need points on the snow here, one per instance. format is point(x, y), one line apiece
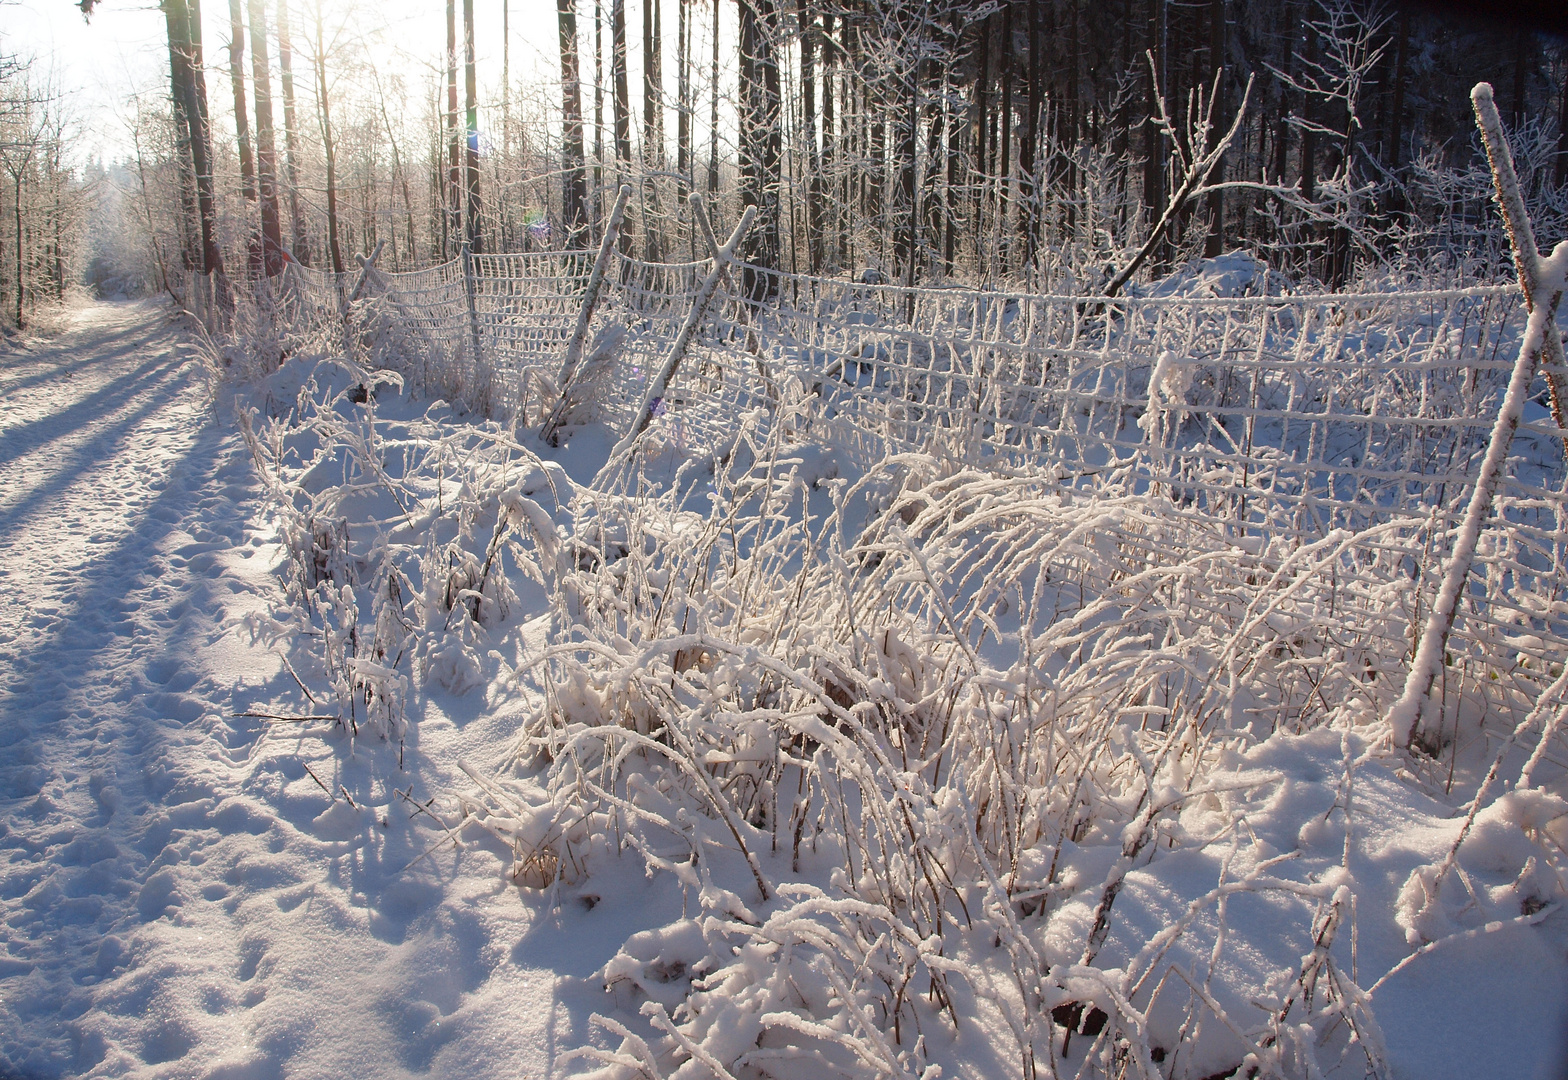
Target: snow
point(188, 890)
point(179, 897)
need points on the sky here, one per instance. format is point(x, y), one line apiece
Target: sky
point(100, 66)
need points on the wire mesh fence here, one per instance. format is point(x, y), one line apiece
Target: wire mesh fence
point(1257, 423)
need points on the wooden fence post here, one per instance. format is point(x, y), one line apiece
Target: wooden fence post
point(1546, 278)
point(1521, 237)
point(574, 346)
point(699, 308)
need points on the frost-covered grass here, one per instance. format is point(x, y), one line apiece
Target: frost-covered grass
point(953, 769)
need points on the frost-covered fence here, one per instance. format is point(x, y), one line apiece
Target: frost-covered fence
point(1259, 423)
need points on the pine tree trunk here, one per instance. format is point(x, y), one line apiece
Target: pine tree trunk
point(1005, 139)
point(291, 138)
point(598, 107)
point(186, 43)
point(241, 115)
point(620, 104)
point(266, 151)
point(325, 118)
point(179, 76)
point(683, 163)
point(1562, 133)
point(572, 195)
point(1214, 244)
point(454, 174)
point(1397, 111)
point(713, 122)
point(978, 164)
point(761, 146)
point(1028, 194)
point(806, 13)
point(652, 133)
point(1154, 139)
point(473, 231)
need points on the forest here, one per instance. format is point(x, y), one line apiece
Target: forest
point(1048, 143)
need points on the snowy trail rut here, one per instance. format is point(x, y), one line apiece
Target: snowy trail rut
point(114, 495)
point(179, 897)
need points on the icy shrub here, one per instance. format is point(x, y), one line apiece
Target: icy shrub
point(401, 536)
point(889, 710)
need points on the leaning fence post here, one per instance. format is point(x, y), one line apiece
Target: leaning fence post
point(699, 308)
point(574, 347)
point(364, 269)
point(1521, 237)
point(1547, 277)
point(699, 212)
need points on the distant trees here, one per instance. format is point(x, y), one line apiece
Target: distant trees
point(924, 140)
point(42, 199)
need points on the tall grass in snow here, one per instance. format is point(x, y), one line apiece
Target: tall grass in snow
point(402, 538)
point(889, 707)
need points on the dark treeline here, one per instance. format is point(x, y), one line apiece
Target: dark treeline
point(1064, 144)
point(999, 140)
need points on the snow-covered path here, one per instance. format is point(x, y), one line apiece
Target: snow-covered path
point(178, 895)
point(108, 483)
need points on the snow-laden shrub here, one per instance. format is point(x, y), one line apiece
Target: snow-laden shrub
point(930, 719)
point(402, 538)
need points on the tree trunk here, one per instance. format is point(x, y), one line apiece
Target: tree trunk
point(598, 105)
point(325, 119)
point(1028, 195)
point(906, 225)
point(806, 13)
point(572, 195)
point(454, 173)
point(620, 104)
point(713, 122)
point(1562, 133)
point(179, 75)
point(185, 46)
point(833, 211)
point(652, 130)
point(266, 151)
point(1005, 138)
point(1154, 139)
point(241, 116)
point(1214, 244)
point(979, 163)
point(761, 146)
point(1522, 39)
point(683, 163)
point(291, 138)
point(473, 232)
point(1309, 142)
point(506, 80)
point(1396, 117)
point(16, 204)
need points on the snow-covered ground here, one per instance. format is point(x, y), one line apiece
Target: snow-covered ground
point(188, 891)
point(179, 897)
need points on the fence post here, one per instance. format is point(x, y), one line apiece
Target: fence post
point(1521, 237)
point(1546, 277)
point(473, 310)
point(699, 307)
point(365, 266)
point(574, 347)
point(699, 212)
